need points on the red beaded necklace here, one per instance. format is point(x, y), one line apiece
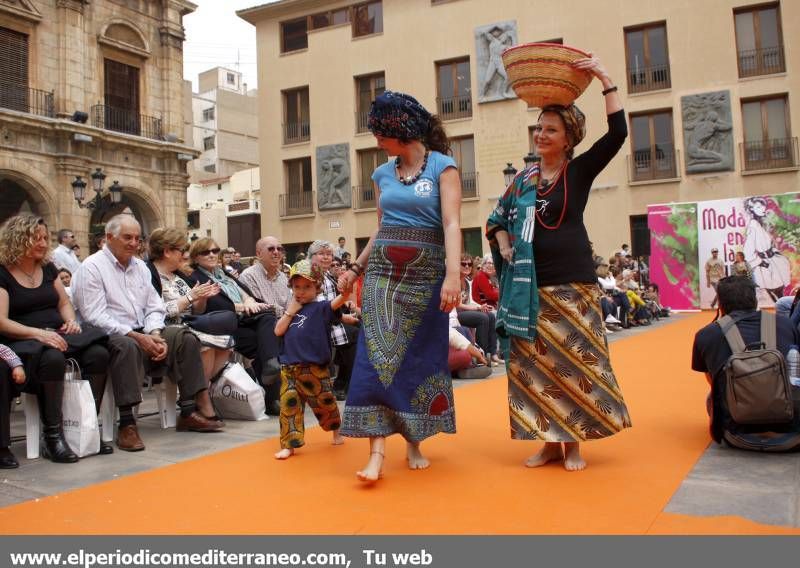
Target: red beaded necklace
point(549, 190)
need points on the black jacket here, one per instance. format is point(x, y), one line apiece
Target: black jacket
point(221, 301)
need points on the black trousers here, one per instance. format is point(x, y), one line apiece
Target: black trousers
point(483, 324)
point(345, 358)
point(257, 341)
point(49, 367)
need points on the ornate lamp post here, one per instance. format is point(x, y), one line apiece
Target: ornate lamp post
point(98, 203)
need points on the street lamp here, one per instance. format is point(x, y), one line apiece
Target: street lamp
point(98, 177)
point(508, 173)
point(530, 159)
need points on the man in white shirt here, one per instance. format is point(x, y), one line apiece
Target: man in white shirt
point(113, 291)
point(63, 255)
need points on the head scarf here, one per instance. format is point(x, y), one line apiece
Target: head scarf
point(397, 115)
point(574, 122)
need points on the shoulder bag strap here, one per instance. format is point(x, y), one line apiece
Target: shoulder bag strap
point(769, 333)
point(732, 334)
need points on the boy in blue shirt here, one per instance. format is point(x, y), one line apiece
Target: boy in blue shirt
point(306, 354)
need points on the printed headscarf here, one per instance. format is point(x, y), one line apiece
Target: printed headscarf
point(397, 115)
point(574, 122)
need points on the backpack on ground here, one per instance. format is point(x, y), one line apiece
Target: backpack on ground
point(757, 389)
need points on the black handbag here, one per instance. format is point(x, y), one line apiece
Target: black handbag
point(221, 322)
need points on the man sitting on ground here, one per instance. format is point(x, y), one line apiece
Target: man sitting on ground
point(737, 298)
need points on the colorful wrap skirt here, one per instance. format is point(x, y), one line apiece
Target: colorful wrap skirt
point(561, 387)
point(400, 382)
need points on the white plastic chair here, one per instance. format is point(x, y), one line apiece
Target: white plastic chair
point(33, 425)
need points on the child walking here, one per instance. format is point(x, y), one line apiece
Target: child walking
point(306, 354)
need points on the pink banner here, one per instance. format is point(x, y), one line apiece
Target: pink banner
point(673, 254)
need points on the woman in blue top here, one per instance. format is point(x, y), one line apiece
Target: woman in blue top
point(400, 382)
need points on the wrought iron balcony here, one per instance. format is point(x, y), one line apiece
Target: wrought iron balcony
point(454, 107)
point(654, 163)
point(651, 78)
point(127, 121)
point(296, 132)
point(769, 154)
point(765, 61)
point(469, 184)
point(296, 203)
point(24, 99)
point(364, 197)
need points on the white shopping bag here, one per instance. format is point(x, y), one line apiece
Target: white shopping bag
point(81, 430)
point(236, 395)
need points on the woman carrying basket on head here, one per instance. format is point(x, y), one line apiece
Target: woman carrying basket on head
point(561, 385)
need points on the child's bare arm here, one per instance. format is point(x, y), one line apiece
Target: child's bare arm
point(283, 323)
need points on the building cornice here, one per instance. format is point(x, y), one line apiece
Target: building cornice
point(284, 8)
point(24, 9)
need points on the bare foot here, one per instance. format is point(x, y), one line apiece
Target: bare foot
point(550, 452)
point(284, 454)
point(338, 439)
point(374, 470)
point(573, 460)
point(415, 458)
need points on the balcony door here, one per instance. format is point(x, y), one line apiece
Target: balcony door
point(767, 138)
point(653, 147)
point(121, 97)
point(13, 70)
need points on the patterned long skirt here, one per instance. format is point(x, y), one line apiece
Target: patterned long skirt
point(561, 387)
point(400, 382)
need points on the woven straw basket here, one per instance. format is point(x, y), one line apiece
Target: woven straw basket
point(542, 73)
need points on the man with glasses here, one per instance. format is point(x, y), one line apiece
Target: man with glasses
point(265, 277)
point(64, 254)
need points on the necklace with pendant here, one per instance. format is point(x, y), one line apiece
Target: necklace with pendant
point(31, 277)
point(410, 179)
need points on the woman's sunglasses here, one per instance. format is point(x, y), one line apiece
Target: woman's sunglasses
point(467, 264)
point(209, 251)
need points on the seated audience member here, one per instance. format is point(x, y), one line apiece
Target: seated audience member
point(265, 278)
point(485, 288)
point(479, 317)
point(255, 336)
point(226, 257)
point(183, 297)
point(653, 301)
point(639, 313)
point(63, 255)
point(462, 352)
point(12, 375)
point(37, 321)
point(236, 261)
point(113, 291)
point(344, 334)
point(710, 352)
point(66, 279)
point(608, 283)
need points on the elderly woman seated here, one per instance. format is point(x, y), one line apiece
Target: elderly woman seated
point(255, 333)
point(184, 297)
point(485, 287)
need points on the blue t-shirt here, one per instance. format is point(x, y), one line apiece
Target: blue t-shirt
point(415, 205)
point(308, 339)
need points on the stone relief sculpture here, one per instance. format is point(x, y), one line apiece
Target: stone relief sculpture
point(707, 132)
point(333, 177)
point(490, 41)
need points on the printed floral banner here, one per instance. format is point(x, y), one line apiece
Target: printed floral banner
point(673, 254)
point(758, 236)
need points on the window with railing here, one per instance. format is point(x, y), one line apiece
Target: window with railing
point(647, 58)
point(120, 112)
point(208, 143)
point(463, 151)
point(454, 89)
point(768, 142)
point(653, 147)
point(759, 40)
point(368, 88)
point(367, 18)
point(299, 197)
point(296, 116)
point(364, 192)
point(208, 114)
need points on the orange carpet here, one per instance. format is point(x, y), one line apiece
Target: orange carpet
point(476, 485)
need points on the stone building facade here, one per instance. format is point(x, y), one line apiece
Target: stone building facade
point(87, 85)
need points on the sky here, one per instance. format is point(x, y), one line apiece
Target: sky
point(217, 37)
